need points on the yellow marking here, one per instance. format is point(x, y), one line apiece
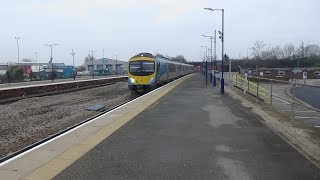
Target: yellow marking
point(142, 58)
point(59, 163)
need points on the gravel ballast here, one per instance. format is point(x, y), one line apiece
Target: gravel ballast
point(30, 120)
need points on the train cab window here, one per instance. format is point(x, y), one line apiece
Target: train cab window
point(148, 66)
point(135, 67)
point(141, 68)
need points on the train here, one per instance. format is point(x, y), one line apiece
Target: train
point(146, 72)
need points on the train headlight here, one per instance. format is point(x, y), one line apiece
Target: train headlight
point(151, 81)
point(131, 80)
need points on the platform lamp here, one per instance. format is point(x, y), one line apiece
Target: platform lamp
point(206, 55)
point(51, 45)
point(92, 62)
point(222, 40)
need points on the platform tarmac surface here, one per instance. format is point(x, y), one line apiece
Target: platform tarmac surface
point(193, 132)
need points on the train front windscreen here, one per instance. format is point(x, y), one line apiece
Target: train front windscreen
point(141, 68)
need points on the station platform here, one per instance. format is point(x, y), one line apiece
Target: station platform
point(193, 132)
point(184, 130)
point(18, 85)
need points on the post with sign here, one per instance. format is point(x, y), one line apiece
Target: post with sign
point(305, 76)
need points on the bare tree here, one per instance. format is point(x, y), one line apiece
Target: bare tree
point(160, 55)
point(88, 59)
point(312, 50)
point(288, 51)
point(179, 58)
point(299, 53)
point(257, 48)
point(272, 53)
point(266, 54)
point(277, 52)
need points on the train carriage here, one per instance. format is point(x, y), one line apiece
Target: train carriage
point(146, 71)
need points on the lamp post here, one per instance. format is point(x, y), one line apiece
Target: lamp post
point(51, 45)
point(36, 53)
point(18, 38)
point(116, 55)
point(206, 55)
point(222, 49)
point(211, 58)
point(73, 70)
point(8, 70)
point(92, 63)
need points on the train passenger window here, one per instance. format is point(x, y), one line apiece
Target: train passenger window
point(172, 68)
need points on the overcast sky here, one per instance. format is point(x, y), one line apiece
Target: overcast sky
point(170, 27)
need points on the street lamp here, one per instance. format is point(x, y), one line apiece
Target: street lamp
point(116, 55)
point(51, 45)
point(92, 63)
point(212, 38)
point(73, 70)
point(36, 53)
point(206, 63)
point(222, 40)
point(18, 38)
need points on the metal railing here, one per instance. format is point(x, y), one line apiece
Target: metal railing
point(257, 86)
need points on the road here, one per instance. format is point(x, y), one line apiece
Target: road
point(310, 95)
point(193, 133)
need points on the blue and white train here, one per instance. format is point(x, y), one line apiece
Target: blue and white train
point(146, 71)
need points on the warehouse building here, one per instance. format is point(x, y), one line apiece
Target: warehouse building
point(106, 66)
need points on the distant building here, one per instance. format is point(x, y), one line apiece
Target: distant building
point(106, 66)
point(284, 73)
point(3, 69)
point(43, 70)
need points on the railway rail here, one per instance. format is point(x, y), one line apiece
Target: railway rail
point(27, 121)
point(29, 147)
point(15, 93)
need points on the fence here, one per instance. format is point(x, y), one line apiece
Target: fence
point(271, 90)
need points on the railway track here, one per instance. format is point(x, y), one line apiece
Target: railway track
point(28, 122)
point(29, 147)
point(10, 94)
